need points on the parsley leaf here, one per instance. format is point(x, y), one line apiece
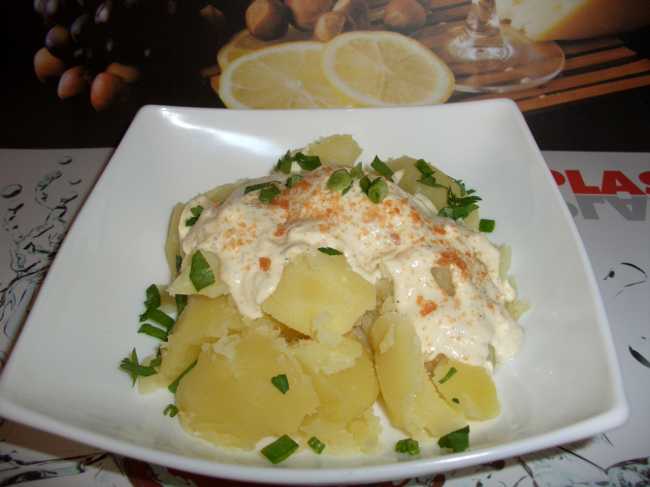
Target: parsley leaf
point(281, 383)
point(307, 163)
point(292, 180)
point(153, 297)
point(486, 226)
point(268, 194)
point(131, 366)
point(171, 410)
point(284, 163)
point(200, 273)
point(196, 213)
point(455, 441)
point(408, 446)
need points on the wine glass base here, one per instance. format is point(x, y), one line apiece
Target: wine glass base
point(497, 64)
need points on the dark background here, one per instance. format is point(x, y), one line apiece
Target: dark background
point(34, 117)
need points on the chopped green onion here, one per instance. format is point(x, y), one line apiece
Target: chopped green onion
point(196, 213)
point(280, 449)
point(171, 410)
point(292, 180)
point(181, 302)
point(408, 446)
point(174, 385)
point(131, 366)
point(179, 261)
point(153, 331)
point(486, 226)
point(159, 317)
point(450, 373)
point(153, 297)
point(377, 191)
point(340, 180)
point(455, 400)
point(281, 383)
point(455, 441)
point(284, 163)
point(307, 163)
point(316, 445)
point(329, 251)
point(424, 168)
point(382, 168)
point(200, 273)
point(268, 194)
point(259, 186)
point(364, 184)
point(357, 171)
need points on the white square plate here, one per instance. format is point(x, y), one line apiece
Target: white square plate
point(63, 377)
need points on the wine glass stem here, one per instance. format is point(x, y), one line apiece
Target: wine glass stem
point(482, 23)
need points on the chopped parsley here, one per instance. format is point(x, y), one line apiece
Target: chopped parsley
point(450, 373)
point(171, 410)
point(307, 163)
point(280, 449)
point(281, 383)
point(329, 251)
point(486, 226)
point(459, 207)
point(131, 366)
point(382, 168)
point(284, 163)
point(455, 441)
point(152, 297)
point(153, 331)
point(196, 213)
point(174, 385)
point(408, 446)
point(316, 445)
point(340, 180)
point(292, 180)
point(455, 400)
point(200, 273)
point(268, 194)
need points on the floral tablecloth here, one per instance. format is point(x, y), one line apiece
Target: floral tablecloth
point(607, 193)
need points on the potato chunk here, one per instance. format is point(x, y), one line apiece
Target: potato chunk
point(228, 397)
point(411, 399)
point(335, 150)
point(343, 376)
point(320, 295)
point(202, 320)
point(359, 434)
point(469, 389)
point(183, 284)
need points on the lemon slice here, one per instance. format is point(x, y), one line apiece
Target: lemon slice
point(288, 75)
point(244, 43)
point(386, 68)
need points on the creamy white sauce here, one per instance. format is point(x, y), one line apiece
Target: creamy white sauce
point(400, 238)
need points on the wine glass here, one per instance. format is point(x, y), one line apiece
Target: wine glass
point(487, 56)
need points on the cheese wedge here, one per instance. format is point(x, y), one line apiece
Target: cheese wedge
point(545, 20)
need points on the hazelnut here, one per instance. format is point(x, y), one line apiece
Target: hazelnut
point(72, 82)
point(130, 74)
point(356, 12)
point(404, 15)
point(267, 19)
point(305, 13)
point(58, 41)
point(47, 65)
point(329, 25)
point(105, 90)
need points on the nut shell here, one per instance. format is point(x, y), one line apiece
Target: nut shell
point(356, 12)
point(329, 25)
point(267, 19)
point(305, 13)
point(404, 15)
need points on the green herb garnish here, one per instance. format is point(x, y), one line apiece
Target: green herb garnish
point(382, 168)
point(259, 186)
point(196, 213)
point(486, 226)
point(179, 262)
point(159, 317)
point(364, 184)
point(181, 302)
point(292, 180)
point(459, 207)
point(174, 385)
point(424, 168)
point(450, 373)
point(329, 251)
point(284, 163)
point(408, 446)
point(455, 400)
point(171, 410)
point(280, 449)
point(357, 171)
point(281, 383)
point(316, 445)
point(268, 194)
point(377, 190)
point(340, 180)
point(153, 331)
point(307, 163)
point(200, 273)
point(429, 180)
point(153, 297)
point(455, 441)
point(131, 366)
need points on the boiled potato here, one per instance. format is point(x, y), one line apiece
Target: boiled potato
point(319, 295)
point(469, 389)
point(172, 243)
point(335, 150)
point(359, 434)
point(219, 194)
point(183, 284)
point(202, 320)
point(411, 399)
point(228, 397)
point(343, 377)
